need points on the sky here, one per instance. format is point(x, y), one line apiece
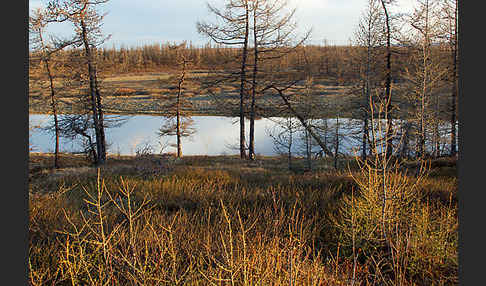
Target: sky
point(136, 23)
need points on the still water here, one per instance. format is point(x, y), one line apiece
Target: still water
point(215, 135)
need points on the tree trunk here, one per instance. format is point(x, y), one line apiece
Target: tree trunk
point(336, 146)
point(406, 137)
point(422, 127)
point(436, 128)
point(425, 54)
point(178, 110)
point(251, 149)
point(54, 113)
point(304, 124)
point(99, 106)
point(95, 105)
point(242, 86)
point(308, 150)
point(389, 127)
point(179, 145)
point(364, 139)
point(454, 87)
point(365, 136)
point(367, 95)
point(53, 105)
point(289, 120)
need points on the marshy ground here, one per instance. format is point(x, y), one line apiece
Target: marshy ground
point(147, 93)
point(219, 220)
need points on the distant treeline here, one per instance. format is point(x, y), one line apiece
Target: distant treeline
point(342, 63)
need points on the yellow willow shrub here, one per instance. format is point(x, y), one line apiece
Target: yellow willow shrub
point(242, 255)
point(388, 224)
point(434, 243)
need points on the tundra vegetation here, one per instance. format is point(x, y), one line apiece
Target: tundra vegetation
point(313, 215)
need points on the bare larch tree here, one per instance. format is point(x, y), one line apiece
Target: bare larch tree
point(424, 74)
point(449, 20)
point(370, 36)
point(38, 22)
point(388, 80)
point(87, 23)
point(274, 35)
point(182, 126)
point(232, 28)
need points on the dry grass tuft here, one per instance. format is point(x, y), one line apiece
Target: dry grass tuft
point(192, 224)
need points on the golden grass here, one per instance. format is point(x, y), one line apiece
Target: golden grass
point(159, 221)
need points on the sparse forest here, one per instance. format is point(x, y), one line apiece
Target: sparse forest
point(361, 188)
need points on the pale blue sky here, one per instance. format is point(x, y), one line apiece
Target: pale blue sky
point(134, 23)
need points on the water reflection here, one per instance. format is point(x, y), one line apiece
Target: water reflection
point(215, 135)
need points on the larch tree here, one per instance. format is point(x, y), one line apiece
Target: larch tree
point(425, 72)
point(46, 50)
point(37, 25)
point(370, 36)
point(232, 28)
point(78, 123)
point(273, 31)
point(309, 110)
point(388, 79)
point(281, 92)
point(449, 31)
point(87, 22)
point(183, 124)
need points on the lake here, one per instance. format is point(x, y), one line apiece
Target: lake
point(215, 135)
